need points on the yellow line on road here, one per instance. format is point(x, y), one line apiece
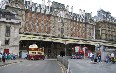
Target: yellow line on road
point(63, 71)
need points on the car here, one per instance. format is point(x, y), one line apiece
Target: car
point(77, 56)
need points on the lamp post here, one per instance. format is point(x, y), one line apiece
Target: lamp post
point(0, 47)
point(84, 51)
point(65, 47)
point(65, 43)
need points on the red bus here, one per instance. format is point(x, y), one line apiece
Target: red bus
point(35, 53)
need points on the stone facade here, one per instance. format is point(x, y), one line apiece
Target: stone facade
point(105, 26)
point(106, 31)
point(9, 32)
point(57, 21)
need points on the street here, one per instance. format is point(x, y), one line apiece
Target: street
point(31, 66)
point(84, 66)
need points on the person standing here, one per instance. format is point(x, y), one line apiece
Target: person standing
point(112, 58)
point(8, 56)
point(95, 57)
point(107, 58)
point(99, 58)
point(91, 57)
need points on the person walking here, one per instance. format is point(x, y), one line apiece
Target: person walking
point(0, 57)
point(3, 57)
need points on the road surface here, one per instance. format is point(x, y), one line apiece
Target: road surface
point(30, 66)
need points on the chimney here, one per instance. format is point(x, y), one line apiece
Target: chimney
point(72, 9)
point(30, 2)
point(67, 7)
point(91, 14)
point(80, 11)
point(84, 12)
point(24, 1)
point(49, 3)
point(43, 2)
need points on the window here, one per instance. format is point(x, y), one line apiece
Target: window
point(33, 52)
point(6, 42)
point(59, 19)
point(7, 31)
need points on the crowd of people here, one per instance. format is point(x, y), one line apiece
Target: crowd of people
point(110, 58)
point(96, 58)
point(4, 57)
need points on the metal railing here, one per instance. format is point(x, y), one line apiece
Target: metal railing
point(63, 60)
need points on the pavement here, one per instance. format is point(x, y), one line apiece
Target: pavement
point(85, 66)
point(7, 62)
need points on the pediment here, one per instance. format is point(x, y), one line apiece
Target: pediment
point(17, 4)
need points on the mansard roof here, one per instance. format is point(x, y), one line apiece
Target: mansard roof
point(57, 5)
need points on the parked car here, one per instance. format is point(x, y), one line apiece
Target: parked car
point(77, 56)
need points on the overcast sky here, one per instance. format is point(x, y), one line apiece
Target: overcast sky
point(87, 5)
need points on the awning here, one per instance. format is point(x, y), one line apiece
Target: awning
point(66, 40)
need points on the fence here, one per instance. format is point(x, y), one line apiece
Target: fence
point(64, 60)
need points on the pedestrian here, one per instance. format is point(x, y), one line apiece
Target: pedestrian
point(99, 58)
point(3, 57)
point(107, 58)
point(91, 57)
point(14, 57)
point(8, 56)
point(0, 57)
point(95, 57)
point(112, 58)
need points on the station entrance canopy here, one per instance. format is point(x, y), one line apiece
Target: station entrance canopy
point(66, 40)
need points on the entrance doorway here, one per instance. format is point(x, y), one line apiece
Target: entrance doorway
point(62, 53)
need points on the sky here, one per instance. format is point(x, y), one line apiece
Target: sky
point(87, 5)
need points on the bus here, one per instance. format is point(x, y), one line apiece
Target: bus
point(35, 53)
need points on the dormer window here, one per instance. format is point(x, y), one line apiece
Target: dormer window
point(17, 5)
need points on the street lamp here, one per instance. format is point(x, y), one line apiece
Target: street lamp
point(65, 43)
point(84, 51)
